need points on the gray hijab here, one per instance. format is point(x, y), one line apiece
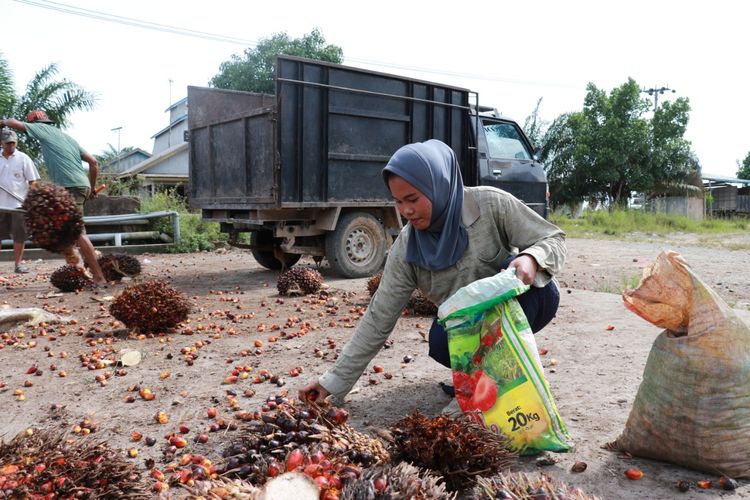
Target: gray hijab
point(433, 169)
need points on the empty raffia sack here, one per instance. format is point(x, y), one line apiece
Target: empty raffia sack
point(497, 373)
point(693, 405)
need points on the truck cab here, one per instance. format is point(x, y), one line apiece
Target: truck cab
point(506, 159)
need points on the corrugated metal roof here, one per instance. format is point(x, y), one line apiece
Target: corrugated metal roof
point(154, 160)
point(180, 119)
point(724, 178)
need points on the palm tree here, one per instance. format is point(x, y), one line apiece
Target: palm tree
point(7, 95)
point(58, 98)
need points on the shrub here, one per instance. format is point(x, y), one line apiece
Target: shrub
point(196, 235)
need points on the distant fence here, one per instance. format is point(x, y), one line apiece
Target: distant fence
point(686, 206)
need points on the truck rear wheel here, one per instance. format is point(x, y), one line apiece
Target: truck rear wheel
point(357, 247)
point(266, 258)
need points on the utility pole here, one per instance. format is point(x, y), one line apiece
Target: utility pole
point(653, 91)
point(117, 129)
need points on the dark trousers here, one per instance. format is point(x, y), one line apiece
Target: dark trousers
point(539, 305)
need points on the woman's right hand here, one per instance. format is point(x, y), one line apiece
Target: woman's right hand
point(313, 391)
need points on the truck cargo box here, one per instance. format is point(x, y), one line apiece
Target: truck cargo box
point(321, 141)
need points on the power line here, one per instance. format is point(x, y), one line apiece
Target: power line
point(165, 28)
point(129, 21)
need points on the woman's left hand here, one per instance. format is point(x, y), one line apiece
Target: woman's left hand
point(526, 268)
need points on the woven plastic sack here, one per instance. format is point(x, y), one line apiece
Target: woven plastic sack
point(693, 405)
point(497, 373)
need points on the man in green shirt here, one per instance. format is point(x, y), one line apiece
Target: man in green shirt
point(62, 157)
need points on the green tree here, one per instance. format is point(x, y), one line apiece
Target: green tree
point(116, 186)
point(110, 155)
point(7, 93)
point(59, 98)
point(610, 148)
point(254, 71)
point(743, 170)
point(675, 166)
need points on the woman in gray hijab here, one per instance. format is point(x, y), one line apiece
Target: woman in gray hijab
point(455, 235)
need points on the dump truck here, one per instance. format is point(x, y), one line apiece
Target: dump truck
point(298, 173)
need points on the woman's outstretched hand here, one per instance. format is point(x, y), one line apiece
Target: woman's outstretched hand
point(314, 392)
point(526, 268)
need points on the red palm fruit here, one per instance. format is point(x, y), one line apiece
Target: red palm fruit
point(294, 459)
point(634, 473)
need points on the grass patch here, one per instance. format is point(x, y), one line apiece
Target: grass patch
point(195, 234)
point(631, 282)
point(623, 223)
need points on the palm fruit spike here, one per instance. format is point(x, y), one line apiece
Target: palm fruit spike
point(524, 485)
point(51, 465)
point(52, 217)
point(395, 481)
point(459, 449)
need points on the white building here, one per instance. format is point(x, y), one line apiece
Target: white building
point(168, 164)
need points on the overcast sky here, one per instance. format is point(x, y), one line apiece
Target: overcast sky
point(511, 53)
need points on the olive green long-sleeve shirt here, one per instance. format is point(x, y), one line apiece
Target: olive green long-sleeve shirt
point(498, 225)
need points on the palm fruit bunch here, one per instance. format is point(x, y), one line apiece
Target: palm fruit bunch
point(459, 449)
point(152, 306)
point(52, 217)
point(299, 281)
point(70, 278)
point(373, 283)
point(48, 464)
point(396, 481)
point(289, 436)
point(525, 487)
point(418, 305)
point(118, 265)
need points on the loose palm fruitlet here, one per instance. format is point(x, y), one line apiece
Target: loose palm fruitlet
point(418, 304)
point(48, 464)
point(151, 306)
point(52, 218)
point(118, 265)
point(70, 278)
point(299, 281)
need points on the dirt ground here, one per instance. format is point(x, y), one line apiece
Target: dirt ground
point(593, 371)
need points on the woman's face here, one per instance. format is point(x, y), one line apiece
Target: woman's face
point(411, 203)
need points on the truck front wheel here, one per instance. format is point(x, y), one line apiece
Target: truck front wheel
point(357, 247)
point(266, 256)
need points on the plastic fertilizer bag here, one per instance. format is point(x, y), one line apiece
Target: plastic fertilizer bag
point(497, 372)
point(693, 405)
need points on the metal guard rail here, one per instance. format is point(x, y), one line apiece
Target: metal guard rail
point(118, 237)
